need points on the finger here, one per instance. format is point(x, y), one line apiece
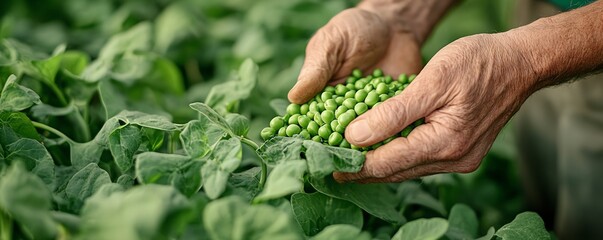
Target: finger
point(424, 144)
point(321, 60)
point(418, 100)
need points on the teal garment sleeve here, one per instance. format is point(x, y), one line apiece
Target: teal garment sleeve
point(570, 4)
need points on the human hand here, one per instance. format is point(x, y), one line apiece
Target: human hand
point(355, 38)
point(467, 92)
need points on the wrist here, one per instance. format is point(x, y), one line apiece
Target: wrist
point(416, 17)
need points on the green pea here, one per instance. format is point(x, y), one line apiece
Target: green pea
point(340, 89)
point(412, 78)
point(303, 121)
point(418, 122)
point(350, 86)
point(402, 78)
point(282, 132)
point(406, 131)
point(339, 100)
point(318, 119)
point(368, 87)
point(286, 117)
point(360, 84)
point(388, 79)
point(310, 114)
point(277, 123)
point(350, 94)
point(313, 128)
point(321, 107)
point(388, 140)
point(377, 104)
point(344, 144)
point(404, 86)
point(305, 134)
point(340, 128)
point(304, 108)
point(360, 108)
point(397, 92)
point(376, 145)
point(267, 132)
point(327, 116)
point(357, 73)
point(376, 81)
point(350, 80)
point(326, 96)
point(292, 130)
point(318, 99)
point(355, 147)
point(377, 73)
point(340, 110)
point(334, 125)
point(317, 139)
point(382, 88)
point(383, 97)
point(335, 139)
point(349, 103)
point(314, 107)
point(360, 95)
point(330, 105)
point(346, 118)
point(324, 132)
point(330, 89)
point(371, 98)
point(293, 108)
point(294, 118)
point(368, 78)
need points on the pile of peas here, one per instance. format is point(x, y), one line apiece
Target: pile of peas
point(324, 118)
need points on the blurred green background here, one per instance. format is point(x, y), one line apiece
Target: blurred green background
point(206, 39)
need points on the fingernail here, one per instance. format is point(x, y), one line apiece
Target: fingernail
point(359, 131)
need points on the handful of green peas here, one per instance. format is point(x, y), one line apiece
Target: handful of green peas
point(324, 118)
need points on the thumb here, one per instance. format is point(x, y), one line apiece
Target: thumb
point(390, 117)
point(319, 66)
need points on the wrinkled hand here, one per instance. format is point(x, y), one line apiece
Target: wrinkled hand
point(355, 38)
point(467, 92)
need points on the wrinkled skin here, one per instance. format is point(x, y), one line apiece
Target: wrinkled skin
point(467, 93)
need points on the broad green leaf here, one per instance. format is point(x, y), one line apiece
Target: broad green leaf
point(207, 112)
point(279, 106)
point(238, 123)
point(126, 180)
point(35, 158)
point(225, 158)
point(44, 110)
point(253, 43)
point(147, 120)
point(527, 225)
point(142, 212)
point(200, 136)
point(153, 138)
point(224, 94)
point(123, 143)
point(47, 69)
point(341, 232)
point(488, 235)
point(413, 193)
point(131, 66)
point(85, 183)
point(68, 221)
point(234, 219)
point(20, 124)
point(463, 223)
point(279, 149)
point(315, 211)
point(182, 172)
point(324, 160)
point(15, 98)
point(74, 62)
point(176, 22)
point(165, 77)
point(286, 178)
point(83, 154)
point(28, 201)
point(113, 101)
point(422, 229)
point(244, 184)
point(363, 195)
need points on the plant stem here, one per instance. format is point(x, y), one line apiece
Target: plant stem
point(58, 92)
point(6, 226)
point(81, 124)
point(264, 174)
point(52, 130)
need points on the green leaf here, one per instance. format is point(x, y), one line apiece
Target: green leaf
point(113, 101)
point(463, 223)
point(324, 160)
point(85, 183)
point(123, 143)
point(413, 193)
point(165, 77)
point(176, 22)
point(225, 158)
point(279, 149)
point(41, 111)
point(224, 94)
point(527, 225)
point(422, 229)
point(83, 154)
point(200, 136)
point(142, 212)
point(148, 120)
point(279, 106)
point(238, 123)
point(47, 69)
point(169, 169)
point(35, 158)
point(341, 232)
point(211, 115)
point(28, 201)
point(74, 62)
point(232, 218)
point(363, 195)
point(286, 178)
point(315, 211)
point(153, 138)
point(488, 235)
point(20, 124)
point(244, 184)
point(15, 97)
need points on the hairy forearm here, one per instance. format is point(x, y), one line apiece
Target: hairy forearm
point(563, 46)
point(418, 17)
